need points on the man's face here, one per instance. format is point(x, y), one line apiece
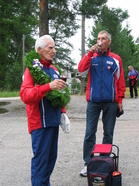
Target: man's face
point(48, 52)
point(105, 42)
point(130, 69)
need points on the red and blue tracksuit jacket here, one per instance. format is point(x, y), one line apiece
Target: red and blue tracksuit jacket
point(133, 75)
point(40, 112)
point(105, 76)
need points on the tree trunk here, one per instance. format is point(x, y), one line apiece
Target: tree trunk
point(83, 51)
point(44, 18)
point(83, 36)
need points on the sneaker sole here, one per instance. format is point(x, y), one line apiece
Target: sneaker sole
point(83, 175)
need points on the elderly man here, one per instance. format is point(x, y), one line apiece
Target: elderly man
point(43, 118)
point(105, 91)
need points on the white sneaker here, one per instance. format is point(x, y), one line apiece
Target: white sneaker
point(84, 171)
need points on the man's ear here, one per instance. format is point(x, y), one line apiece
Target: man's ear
point(39, 50)
point(109, 42)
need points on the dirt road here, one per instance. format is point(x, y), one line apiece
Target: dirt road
point(16, 153)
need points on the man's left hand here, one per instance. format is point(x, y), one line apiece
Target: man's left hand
point(120, 106)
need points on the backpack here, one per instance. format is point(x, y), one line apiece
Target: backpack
point(99, 171)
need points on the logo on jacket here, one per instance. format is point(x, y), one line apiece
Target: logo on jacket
point(55, 76)
point(109, 62)
point(109, 67)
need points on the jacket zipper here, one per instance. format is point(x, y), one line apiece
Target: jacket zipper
point(101, 77)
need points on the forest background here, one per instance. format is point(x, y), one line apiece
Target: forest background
point(21, 22)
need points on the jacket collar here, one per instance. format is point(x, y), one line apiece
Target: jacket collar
point(104, 53)
point(45, 63)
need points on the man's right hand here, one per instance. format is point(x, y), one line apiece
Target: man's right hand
point(57, 84)
point(94, 48)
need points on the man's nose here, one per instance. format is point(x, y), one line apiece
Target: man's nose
point(54, 51)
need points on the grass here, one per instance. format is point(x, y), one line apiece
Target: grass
point(127, 93)
point(6, 94)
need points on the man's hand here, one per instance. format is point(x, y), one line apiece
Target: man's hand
point(120, 106)
point(94, 48)
point(57, 84)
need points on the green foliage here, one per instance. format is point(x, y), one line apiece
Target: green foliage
point(57, 97)
point(63, 59)
point(91, 8)
point(22, 17)
point(39, 76)
point(16, 18)
point(13, 78)
point(61, 30)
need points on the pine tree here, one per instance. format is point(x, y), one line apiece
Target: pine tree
point(17, 17)
point(58, 18)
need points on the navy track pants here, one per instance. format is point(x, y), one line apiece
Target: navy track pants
point(44, 146)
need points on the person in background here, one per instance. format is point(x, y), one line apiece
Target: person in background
point(132, 78)
point(105, 91)
point(43, 118)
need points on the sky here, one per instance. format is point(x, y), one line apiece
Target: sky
point(133, 11)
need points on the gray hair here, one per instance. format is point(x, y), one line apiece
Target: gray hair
point(129, 67)
point(42, 41)
point(108, 35)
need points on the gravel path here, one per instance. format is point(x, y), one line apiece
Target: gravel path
point(16, 152)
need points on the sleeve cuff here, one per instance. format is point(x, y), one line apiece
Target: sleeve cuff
point(119, 100)
point(90, 54)
point(63, 110)
point(45, 88)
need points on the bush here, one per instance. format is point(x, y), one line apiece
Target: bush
point(13, 77)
